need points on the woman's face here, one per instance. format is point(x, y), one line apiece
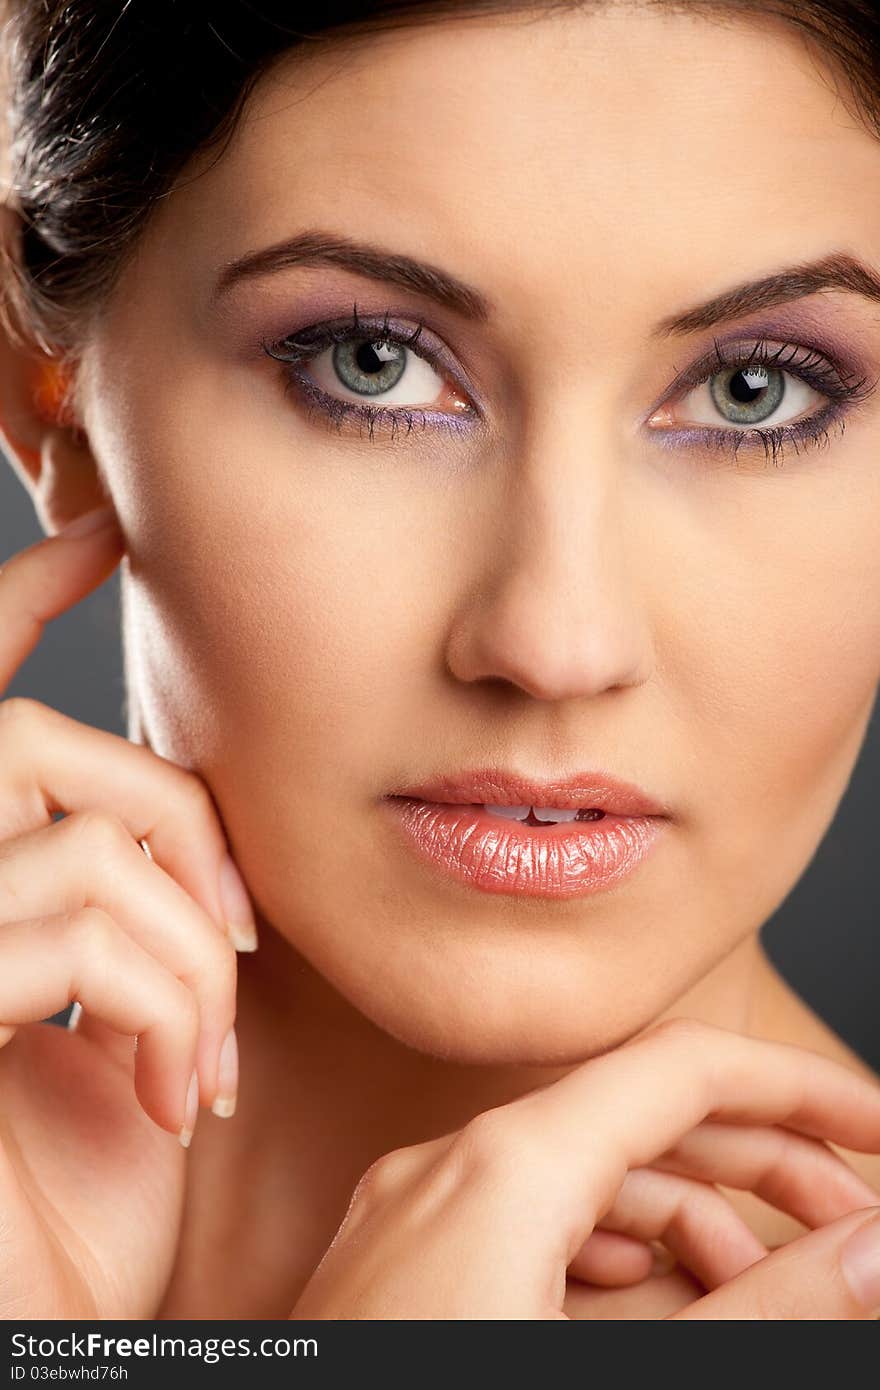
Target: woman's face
point(535, 576)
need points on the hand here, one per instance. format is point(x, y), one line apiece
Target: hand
point(91, 1173)
point(488, 1221)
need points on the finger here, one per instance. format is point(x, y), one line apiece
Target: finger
point(45, 962)
point(39, 583)
point(620, 1110)
point(612, 1260)
point(53, 763)
point(830, 1274)
point(90, 859)
point(692, 1219)
point(797, 1174)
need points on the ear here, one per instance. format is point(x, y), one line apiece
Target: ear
point(39, 429)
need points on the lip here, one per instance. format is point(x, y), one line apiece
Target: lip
point(498, 787)
point(441, 821)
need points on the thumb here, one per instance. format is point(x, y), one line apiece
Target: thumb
point(830, 1273)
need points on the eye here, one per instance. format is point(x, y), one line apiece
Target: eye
point(352, 370)
point(763, 396)
point(747, 396)
point(380, 370)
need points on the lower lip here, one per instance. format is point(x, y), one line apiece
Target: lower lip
point(495, 855)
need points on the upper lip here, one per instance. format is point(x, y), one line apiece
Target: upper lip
point(498, 787)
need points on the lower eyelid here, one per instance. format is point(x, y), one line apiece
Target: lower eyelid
point(811, 430)
point(388, 419)
point(677, 434)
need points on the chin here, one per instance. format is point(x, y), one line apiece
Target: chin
point(501, 1004)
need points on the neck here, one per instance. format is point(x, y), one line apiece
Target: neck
point(323, 1092)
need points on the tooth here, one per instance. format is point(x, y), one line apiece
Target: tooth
point(511, 812)
point(553, 813)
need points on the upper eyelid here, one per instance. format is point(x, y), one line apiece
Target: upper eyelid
point(694, 374)
point(739, 349)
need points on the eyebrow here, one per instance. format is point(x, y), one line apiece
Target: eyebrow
point(837, 271)
point(325, 248)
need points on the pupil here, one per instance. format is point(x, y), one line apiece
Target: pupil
point(368, 359)
point(741, 390)
point(370, 367)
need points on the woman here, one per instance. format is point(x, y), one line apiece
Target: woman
point(486, 404)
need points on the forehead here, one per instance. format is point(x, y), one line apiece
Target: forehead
point(656, 137)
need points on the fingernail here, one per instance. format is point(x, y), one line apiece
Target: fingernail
point(237, 910)
point(91, 521)
point(192, 1110)
point(227, 1077)
point(860, 1258)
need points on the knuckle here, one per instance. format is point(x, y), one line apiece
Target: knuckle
point(497, 1144)
point(18, 714)
point(105, 834)
point(196, 793)
point(383, 1178)
point(91, 932)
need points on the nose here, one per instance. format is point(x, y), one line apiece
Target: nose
point(553, 609)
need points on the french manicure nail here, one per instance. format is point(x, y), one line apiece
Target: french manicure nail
point(192, 1110)
point(237, 910)
point(860, 1258)
point(227, 1077)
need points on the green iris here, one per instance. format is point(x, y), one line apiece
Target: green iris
point(369, 366)
point(747, 395)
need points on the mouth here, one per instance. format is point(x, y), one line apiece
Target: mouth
point(584, 837)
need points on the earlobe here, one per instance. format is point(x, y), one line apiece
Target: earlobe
point(69, 484)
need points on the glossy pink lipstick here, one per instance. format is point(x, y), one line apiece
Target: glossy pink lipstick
point(610, 827)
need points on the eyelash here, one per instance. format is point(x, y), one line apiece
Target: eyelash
point(834, 380)
point(831, 378)
point(311, 341)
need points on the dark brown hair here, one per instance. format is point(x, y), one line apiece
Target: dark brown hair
point(106, 103)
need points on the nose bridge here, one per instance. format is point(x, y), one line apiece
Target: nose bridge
point(555, 608)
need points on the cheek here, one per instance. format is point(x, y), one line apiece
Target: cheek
point(788, 659)
point(287, 658)
point(299, 636)
point(278, 645)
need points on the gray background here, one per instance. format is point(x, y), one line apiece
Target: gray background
point(823, 938)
